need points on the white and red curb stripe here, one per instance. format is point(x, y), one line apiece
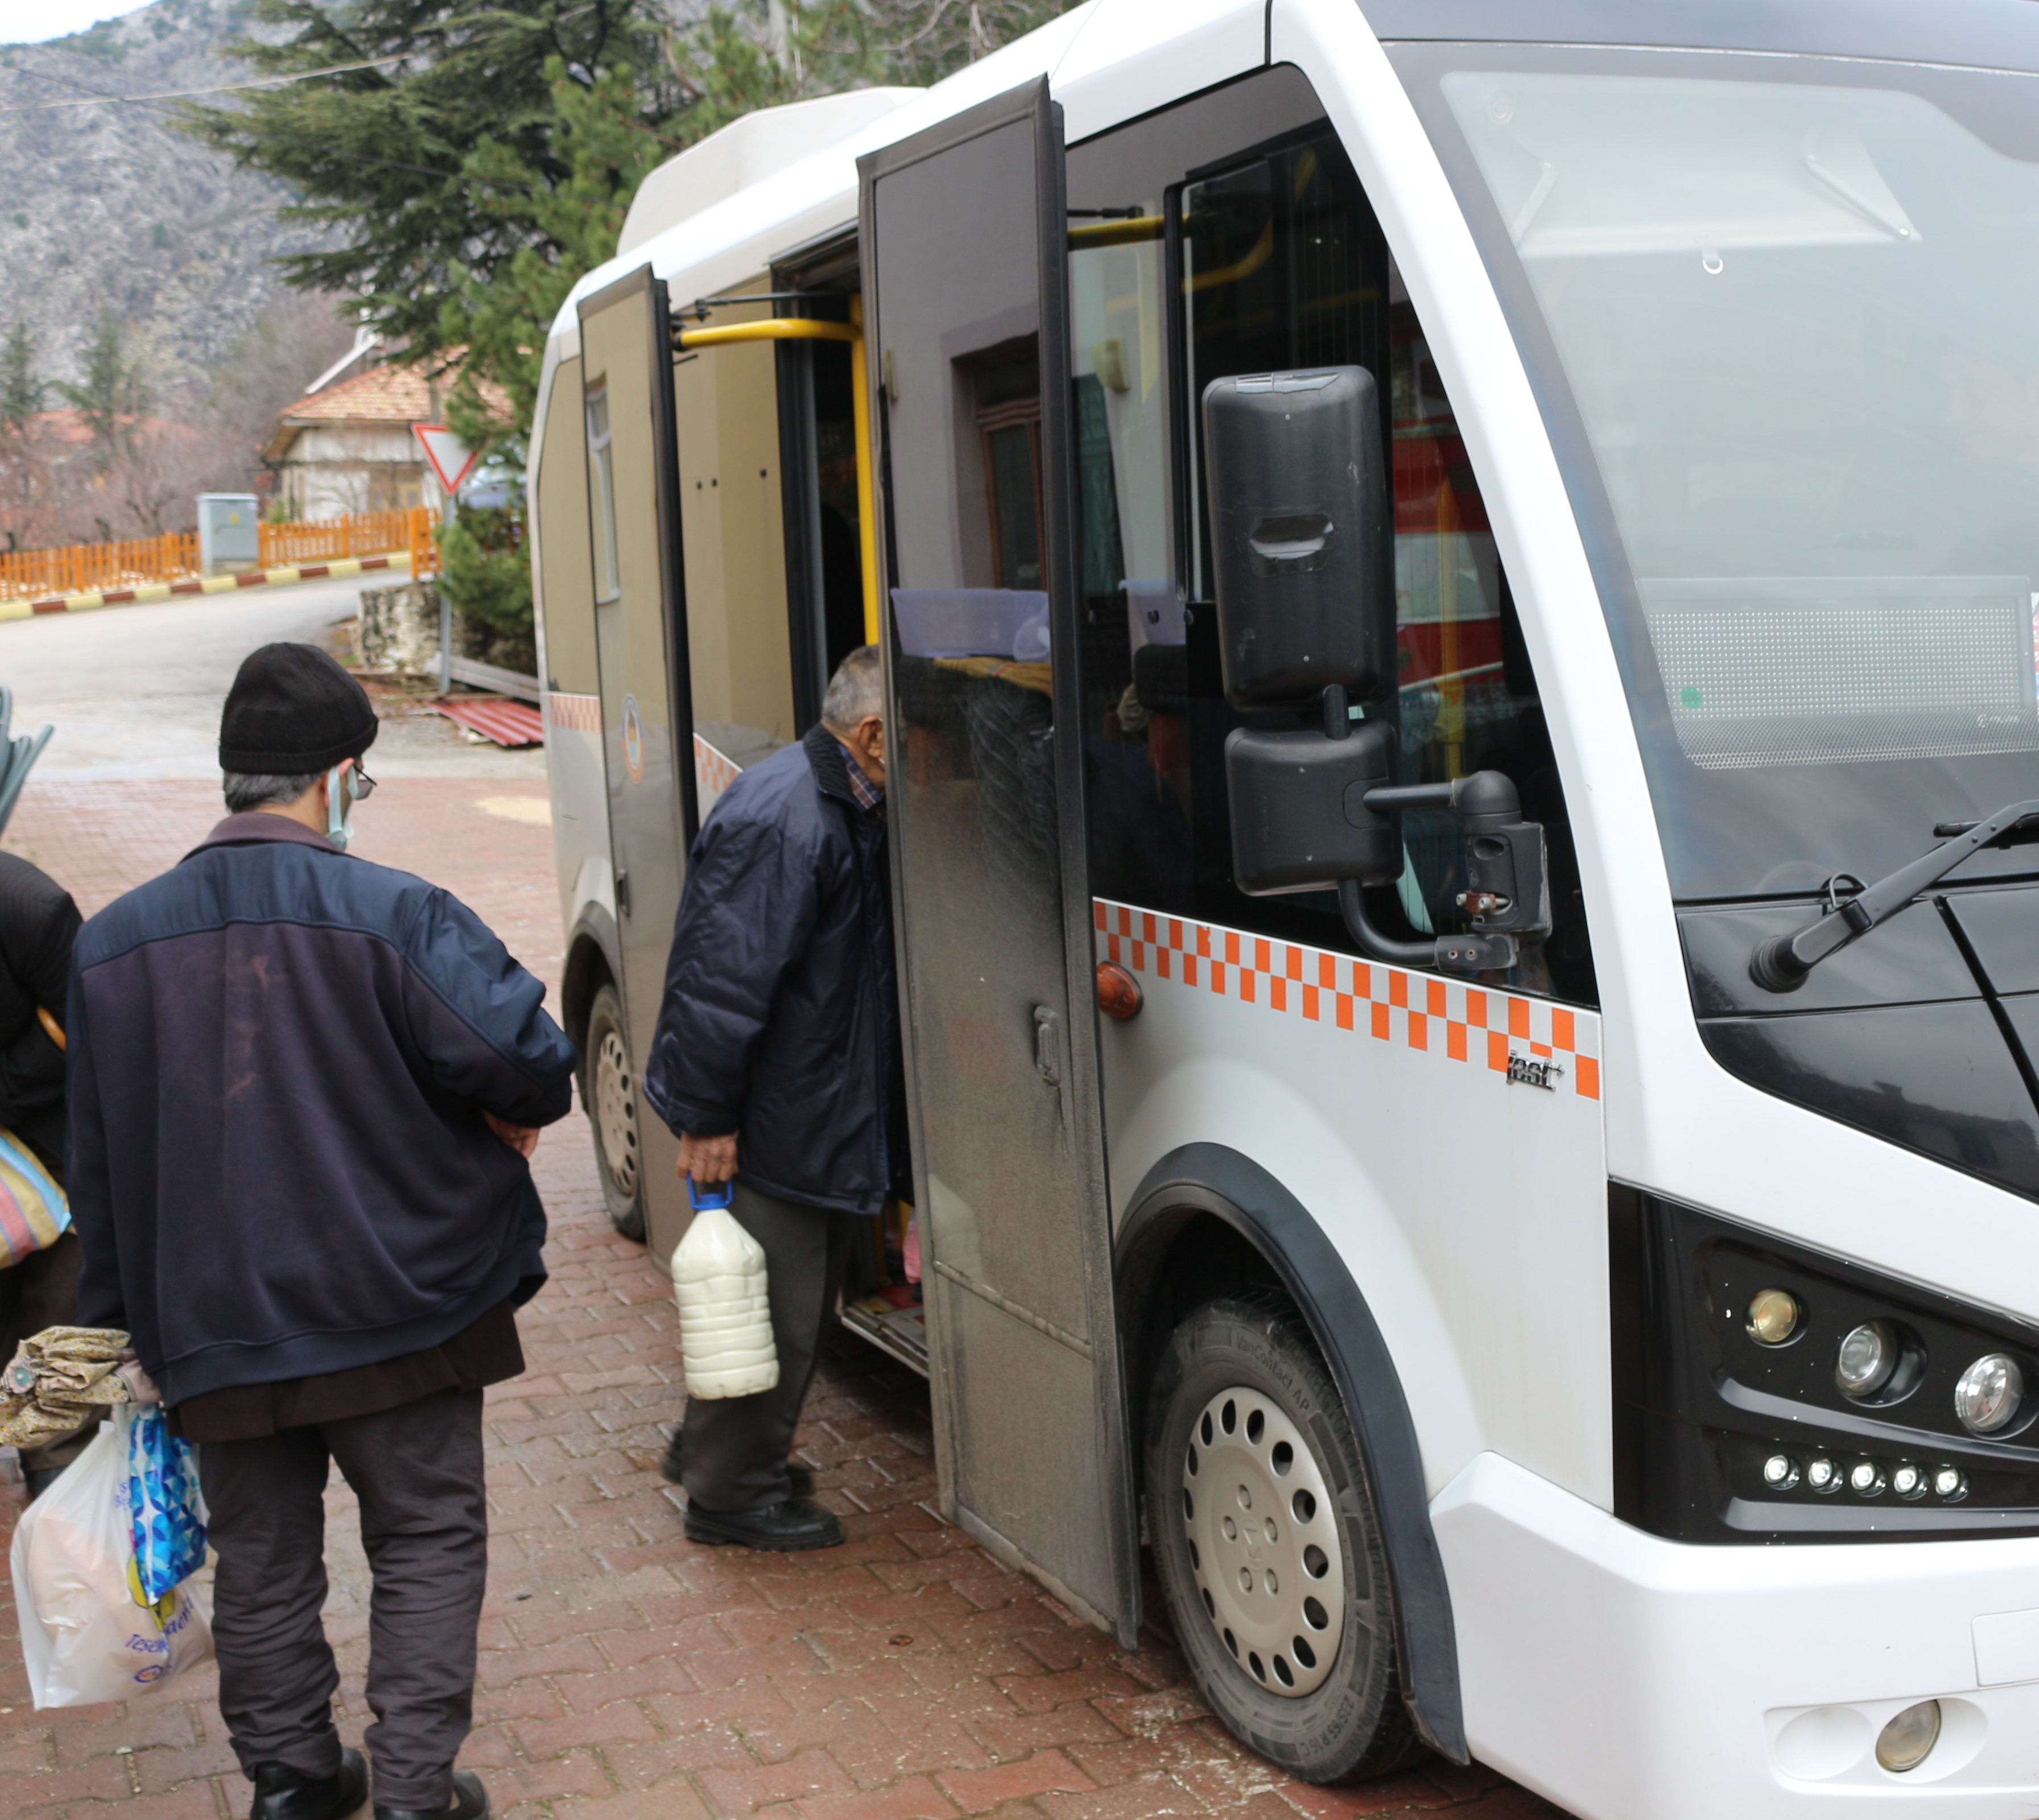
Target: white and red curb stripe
point(142, 592)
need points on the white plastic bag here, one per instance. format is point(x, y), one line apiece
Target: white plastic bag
point(87, 1635)
point(718, 1269)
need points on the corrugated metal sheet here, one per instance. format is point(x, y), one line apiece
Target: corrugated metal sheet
point(496, 717)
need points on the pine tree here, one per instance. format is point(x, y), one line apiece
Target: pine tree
point(22, 395)
point(110, 397)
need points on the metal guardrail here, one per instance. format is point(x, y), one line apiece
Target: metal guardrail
point(476, 674)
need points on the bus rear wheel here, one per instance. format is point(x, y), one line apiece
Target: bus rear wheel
point(608, 1093)
point(1267, 1548)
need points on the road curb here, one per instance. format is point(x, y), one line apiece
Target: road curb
point(143, 592)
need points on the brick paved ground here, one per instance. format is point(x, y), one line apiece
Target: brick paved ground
point(627, 1674)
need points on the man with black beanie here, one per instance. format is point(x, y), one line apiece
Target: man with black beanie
point(303, 1089)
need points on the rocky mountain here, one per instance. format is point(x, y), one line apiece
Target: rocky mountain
point(102, 204)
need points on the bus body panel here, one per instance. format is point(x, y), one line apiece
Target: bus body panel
point(1446, 1137)
point(1631, 1678)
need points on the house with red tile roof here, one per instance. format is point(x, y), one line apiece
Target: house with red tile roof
point(346, 445)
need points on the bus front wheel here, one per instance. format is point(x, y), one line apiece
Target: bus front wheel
point(608, 1094)
point(1267, 1548)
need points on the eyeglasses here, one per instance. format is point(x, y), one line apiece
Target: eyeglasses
point(363, 786)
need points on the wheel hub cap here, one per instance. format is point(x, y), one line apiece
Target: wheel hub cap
point(616, 1111)
point(1264, 1542)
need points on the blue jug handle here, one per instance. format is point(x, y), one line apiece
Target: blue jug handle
point(701, 1196)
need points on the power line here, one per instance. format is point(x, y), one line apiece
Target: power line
point(93, 96)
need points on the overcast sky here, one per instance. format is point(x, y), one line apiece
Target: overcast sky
point(31, 21)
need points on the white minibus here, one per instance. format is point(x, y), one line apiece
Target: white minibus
point(1456, 581)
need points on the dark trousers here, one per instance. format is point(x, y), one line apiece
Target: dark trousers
point(736, 1447)
point(41, 1291)
point(417, 1471)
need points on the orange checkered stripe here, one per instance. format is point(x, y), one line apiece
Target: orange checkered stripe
point(713, 774)
point(1446, 1018)
point(573, 713)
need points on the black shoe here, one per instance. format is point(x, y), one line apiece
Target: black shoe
point(799, 1479)
point(781, 1528)
point(470, 1802)
point(40, 1479)
point(282, 1794)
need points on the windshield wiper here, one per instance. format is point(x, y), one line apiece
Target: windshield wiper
point(1781, 964)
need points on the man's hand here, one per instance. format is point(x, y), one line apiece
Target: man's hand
point(522, 1138)
point(708, 1159)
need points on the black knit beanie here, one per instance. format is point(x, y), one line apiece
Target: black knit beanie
point(292, 711)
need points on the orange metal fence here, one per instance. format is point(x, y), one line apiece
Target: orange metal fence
point(73, 568)
point(424, 538)
point(359, 533)
point(79, 569)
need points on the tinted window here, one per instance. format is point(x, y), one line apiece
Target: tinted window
point(1271, 258)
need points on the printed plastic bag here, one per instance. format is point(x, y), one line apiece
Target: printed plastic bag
point(165, 1507)
point(88, 1633)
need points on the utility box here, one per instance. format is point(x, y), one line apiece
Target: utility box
point(229, 533)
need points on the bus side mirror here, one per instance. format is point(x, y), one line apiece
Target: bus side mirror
point(1298, 494)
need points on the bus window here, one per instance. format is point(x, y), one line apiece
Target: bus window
point(1281, 265)
point(602, 487)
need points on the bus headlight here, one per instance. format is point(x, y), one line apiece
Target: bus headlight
point(1867, 1358)
point(1988, 1395)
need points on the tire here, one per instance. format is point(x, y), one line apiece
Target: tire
point(609, 1096)
point(1302, 1667)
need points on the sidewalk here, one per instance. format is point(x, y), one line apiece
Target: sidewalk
point(627, 1674)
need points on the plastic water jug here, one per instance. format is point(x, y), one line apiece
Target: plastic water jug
point(725, 1315)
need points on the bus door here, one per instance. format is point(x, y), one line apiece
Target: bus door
point(965, 292)
point(633, 512)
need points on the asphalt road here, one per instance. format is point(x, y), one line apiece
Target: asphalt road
point(135, 692)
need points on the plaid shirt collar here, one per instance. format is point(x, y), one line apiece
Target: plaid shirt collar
point(869, 796)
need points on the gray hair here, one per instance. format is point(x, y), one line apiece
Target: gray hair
point(857, 691)
point(247, 790)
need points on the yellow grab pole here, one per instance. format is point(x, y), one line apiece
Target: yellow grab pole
point(866, 490)
point(809, 328)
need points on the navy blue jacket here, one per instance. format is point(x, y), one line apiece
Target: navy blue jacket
point(780, 1022)
point(279, 1061)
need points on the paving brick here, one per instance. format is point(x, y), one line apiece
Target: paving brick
point(740, 1790)
point(978, 1791)
point(916, 1798)
point(670, 1800)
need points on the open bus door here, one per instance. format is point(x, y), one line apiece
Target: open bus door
point(641, 648)
point(964, 250)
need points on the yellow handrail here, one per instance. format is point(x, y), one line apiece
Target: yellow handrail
point(808, 329)
point(772, 329)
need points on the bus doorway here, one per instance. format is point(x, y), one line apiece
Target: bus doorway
point(963, 239)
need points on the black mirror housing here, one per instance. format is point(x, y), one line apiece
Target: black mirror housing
point(1297, 487)
point(1300, 820)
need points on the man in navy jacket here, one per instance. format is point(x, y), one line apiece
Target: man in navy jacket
point(777, 1062)
point(302, 1090)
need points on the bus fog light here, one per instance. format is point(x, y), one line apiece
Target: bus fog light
point(1780, 1472)
point(1773, 1317)
point(1865, 1480)
point(1822, 1475)
point(1908, 1739)
point(1989, 1392)
point(1867, 1358)
point(1949, 1483)
point(1908, 1481)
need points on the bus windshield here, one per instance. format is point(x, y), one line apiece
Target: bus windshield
point(1783, 314)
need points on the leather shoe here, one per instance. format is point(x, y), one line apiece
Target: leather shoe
point(285, 1794)
point(783, 1528)
point(470, 1802)
point(799, 1479)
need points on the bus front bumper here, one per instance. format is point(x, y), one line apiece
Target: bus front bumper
point(1627, 1677)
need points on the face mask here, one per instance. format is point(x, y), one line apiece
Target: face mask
point(339, 828)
